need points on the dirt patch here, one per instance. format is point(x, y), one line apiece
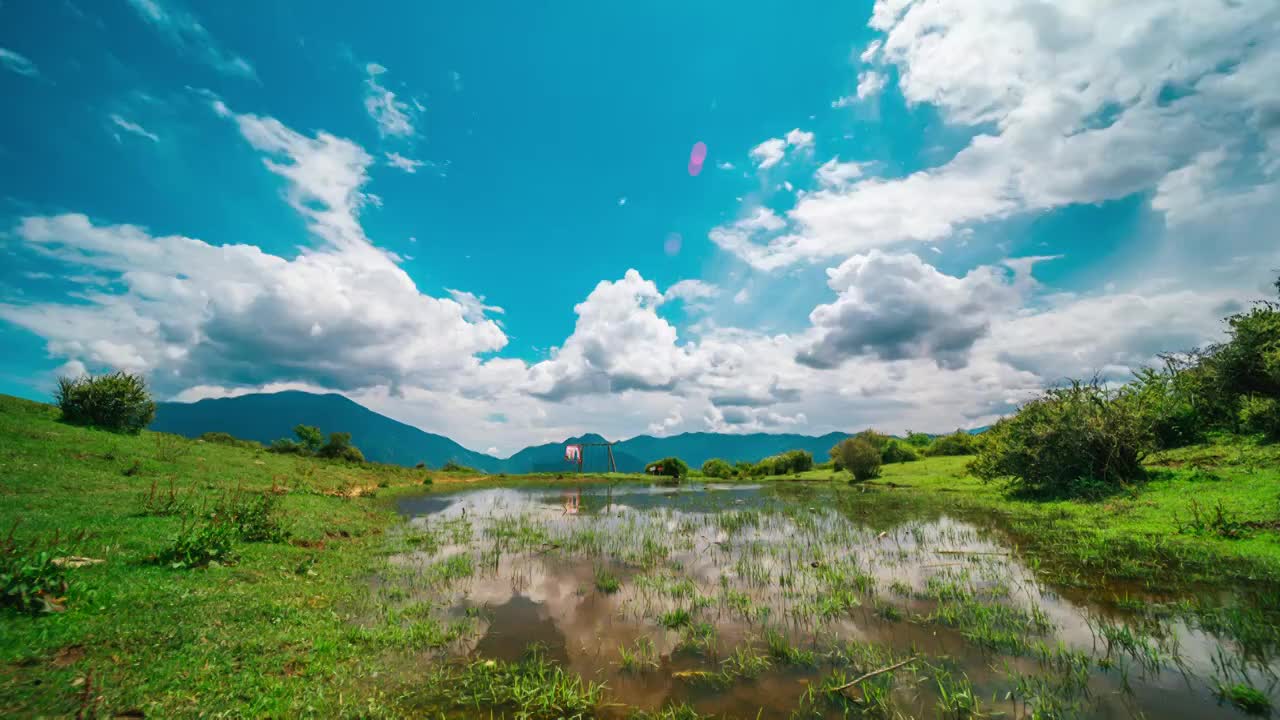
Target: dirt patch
point(68, 656)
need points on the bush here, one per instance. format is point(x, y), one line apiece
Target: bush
point(898, 451)
point(860, 457)
point(1261, 415)
point(286, 446)
point(1168, 400)
point(957, 443)
point(118, 402)
point(30, 580)
point(919, 440)
point(458, 467)
point(742, 468)
point(222, 438)
point(789, 462)
point(876, 439)
point(339, 447)
point(310, 439)
point(717, 468)
point(670, 466)
point(1071, 441)
point(199, 544)
point(254, 518)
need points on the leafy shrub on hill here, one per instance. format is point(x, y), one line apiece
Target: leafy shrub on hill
point(222, 438)
point(858, 456)
point(789, 462)
point(118, 401)
point(454, 466)
point(30, 580)
point(669, 466)
point(1261, 415)
point(1083, 439)
point(311, 442)
point(957, 443)
point(717, 468)
point(339, 447)
point(898, 451)
point(918, 440)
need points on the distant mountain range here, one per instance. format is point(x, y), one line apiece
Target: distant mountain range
point(267, 417)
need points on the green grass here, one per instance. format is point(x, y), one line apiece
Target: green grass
point(238, 582)
point(1151, 532)
point(271, 632)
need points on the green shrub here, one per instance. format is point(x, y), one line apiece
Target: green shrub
point(286, 446)
point(787, 463)
point(30, 581)
point(254, 517)
point(957, 443)
point(222, 438)
point(742, 468)
point(310, 439)
point(1170, 400)
point(199, 544)
point(1071, 441)
point(860, 457)
point(1261, 415)
point(339, 447)
point(717, 468)
point(919, 440)
point(876, 439)
point(118, 401)
point(670, 467)
point(898, 451)
point(453, 466)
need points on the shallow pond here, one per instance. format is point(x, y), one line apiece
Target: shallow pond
point(757, 601)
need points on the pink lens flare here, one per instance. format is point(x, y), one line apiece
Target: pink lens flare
point(696, 157)
point(671, 245)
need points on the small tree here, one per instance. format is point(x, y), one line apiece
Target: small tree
point(1083, 439)
point(716, 468)
point(918, 440)
point(898, 451)
point(310, 438)
point(671, 467)
point(339, 447)
point(119, 401)
point(859, 457)
point(957, 443)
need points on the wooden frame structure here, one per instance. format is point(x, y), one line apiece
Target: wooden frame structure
point(582, 454)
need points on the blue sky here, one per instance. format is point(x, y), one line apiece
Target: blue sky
point(912, 214)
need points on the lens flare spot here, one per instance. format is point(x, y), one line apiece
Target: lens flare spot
point(671, 245)
point(697, 156)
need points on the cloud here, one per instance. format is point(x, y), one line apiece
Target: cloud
point(619, 343)
point(341, 314)
point(691, 290)
point(769, 153)
point(870, 83)
point(1057, 119)
point(894, 307)
point(183, 31)
point(17, 63)
point(393, 116)
point(134, 128)
point(834, 173)
point(409, 165)
point(473, 307)
point(772, 151)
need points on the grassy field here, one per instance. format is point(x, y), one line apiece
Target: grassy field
point(287, 626)
point(1208, 513)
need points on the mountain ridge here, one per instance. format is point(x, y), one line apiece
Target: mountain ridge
point(265, 417)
